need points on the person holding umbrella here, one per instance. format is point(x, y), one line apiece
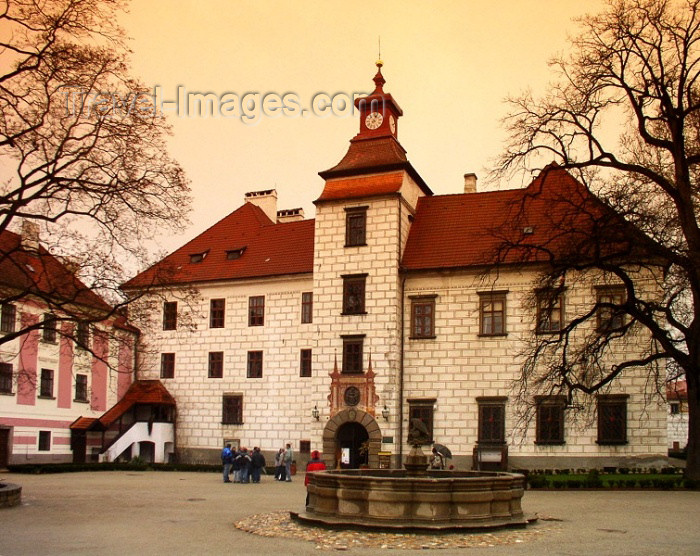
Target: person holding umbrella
point(436, 460)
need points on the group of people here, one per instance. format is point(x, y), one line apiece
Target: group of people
point(283, 464)
point(246, 466)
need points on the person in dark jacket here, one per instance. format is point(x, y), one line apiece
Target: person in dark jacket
point(243, 461)
point(257, 463)
point(315, 464)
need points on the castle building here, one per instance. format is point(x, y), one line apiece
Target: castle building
point(387, 314)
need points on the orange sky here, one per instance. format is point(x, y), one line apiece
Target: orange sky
point(448, 64)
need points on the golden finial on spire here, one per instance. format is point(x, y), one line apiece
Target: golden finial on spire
point(379, 58)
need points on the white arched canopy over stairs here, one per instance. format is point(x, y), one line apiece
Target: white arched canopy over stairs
point(330, 436)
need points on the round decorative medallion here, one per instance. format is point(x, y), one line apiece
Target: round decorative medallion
point(352, 395)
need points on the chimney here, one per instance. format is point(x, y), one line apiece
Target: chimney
point(30, 236)
point(470, 183)
point(266, 200)
point(290, 215)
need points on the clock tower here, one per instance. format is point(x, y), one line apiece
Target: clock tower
point(379, 112)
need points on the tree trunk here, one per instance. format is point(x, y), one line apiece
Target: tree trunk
point(692, 470)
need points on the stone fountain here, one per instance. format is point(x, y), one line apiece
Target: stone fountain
point(414, 498)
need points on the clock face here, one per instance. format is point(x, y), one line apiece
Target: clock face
point(373, 120)
point(392, 124)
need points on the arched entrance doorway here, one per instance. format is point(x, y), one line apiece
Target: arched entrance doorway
point(353, 445)
point(351, 428)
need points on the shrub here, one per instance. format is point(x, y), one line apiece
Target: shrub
point(593, 479)
point(537, 481)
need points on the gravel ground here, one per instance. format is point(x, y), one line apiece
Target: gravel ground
point(195, 513)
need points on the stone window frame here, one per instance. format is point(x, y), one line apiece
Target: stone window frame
point(612, 419)
point(550, 419)
point(607, 319)
point(305, 363)
point(232, 409)
point(256, 310)
point(350, 281)
point(167, 365)
point(254, 364)
point(8, 317)
point(215, 364)
point(82, 334)
point(170, 315)
point(44, 441)
point(49, 328)
point(419, 329)
point(6, 378)
point(307, 307)
point(46, 383)
point(492, 410)
point(423, 409)
point(356, 226)
point(492, 297)
point(548, 305)
point(353, 354)
point(217, 312)
point(81, 388)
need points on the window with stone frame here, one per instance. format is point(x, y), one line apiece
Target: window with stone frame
point(421, 410)
point(354, 294)
point(612, 419)
point(609, 316)
point(82, 334)
point(492, 420)
point(255, 364)
point(305, 363)
point(352, 354)
point(81, 388)
point(232, 409)
point(216, 364)
point(5, 378)
point(46, 384)
point(170, 315)
point(492, 313)
point(167, 365)
point(550, 312)
point(44, 441)
point(355, 226)
point(49, 328)
point(8, 317)
point(307, 307)
point(423, 316)
point(550, 419)
point(256, 310)
point(217, 313)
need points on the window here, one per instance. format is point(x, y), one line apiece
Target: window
point(256, 310)
point(305, 363)
point(81, 388)
point(305, 446)
point(423, 317)
point(8, 316)
point(492, 312)
point(352, 354)
point(307, 307)
point(550, 420)
point(82, 334)
point(217, 313)
point(255, 364)
point(46, 385)
point(49, 334)
point(233, 254)
point(550, 313)
point(354, 294)
point(232, 410)
point(420, 420)
point(5, 378)
point(492, 420)
point(170, 315)
point(612, 419)
point(675, 407)
point(216, 364)
point(355, 226)
point(167, 365)
point(610, 317)
point(198, 257)
point(45, 441)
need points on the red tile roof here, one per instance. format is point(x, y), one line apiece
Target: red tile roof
point(362, 186)
point(83, 423)
point(553, 215)
point(40, 272)
point(270, 250)
point(677, 390)
point(140, 392)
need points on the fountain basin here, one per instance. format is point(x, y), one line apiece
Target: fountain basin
point(397, 499)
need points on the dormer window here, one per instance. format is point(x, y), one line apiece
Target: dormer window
point(233, 254)
point(198, 257)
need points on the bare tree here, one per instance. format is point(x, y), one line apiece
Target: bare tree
point(634, 68)
point(83, 157)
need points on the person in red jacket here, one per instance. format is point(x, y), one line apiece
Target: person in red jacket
point(315, 464)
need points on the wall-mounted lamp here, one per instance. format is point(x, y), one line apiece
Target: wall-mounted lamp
point(385, 413)
point(315, 413)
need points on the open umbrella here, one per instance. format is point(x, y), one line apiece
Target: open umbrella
point(443, 450)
